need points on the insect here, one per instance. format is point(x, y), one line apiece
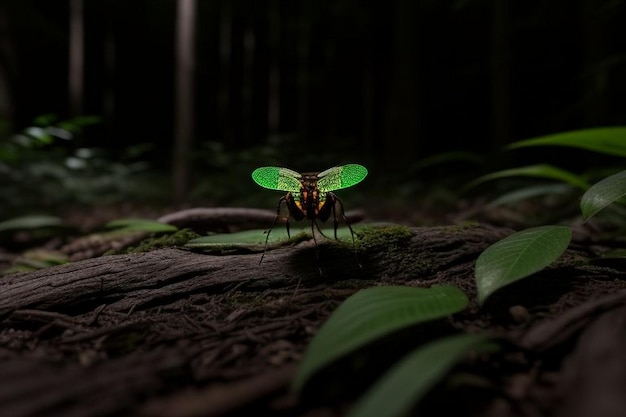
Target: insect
point(310, 195)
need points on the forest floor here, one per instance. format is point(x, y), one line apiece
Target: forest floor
point(171, 332)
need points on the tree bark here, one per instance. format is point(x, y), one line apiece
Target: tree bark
point(184, 112)
point(76, 58)
point(163, 276)
point(178, 333)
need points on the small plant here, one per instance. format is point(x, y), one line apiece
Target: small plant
point(518, 256)
point(609, 141)
point(414, 375)
point(375, 313)
point(371, 314)
point(42, 169)
point(531, 250)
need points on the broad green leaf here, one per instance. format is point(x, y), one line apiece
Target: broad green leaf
point(607, 140)
point(411, 378)
point(371, 314)
point(30, 222)
point(255, 239)
point(517, 195)
point(602, 194)
point(140, 225)
point(518, 256)
point(537, 171)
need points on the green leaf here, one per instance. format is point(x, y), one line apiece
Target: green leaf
point(41, 136)
point(38, 259)
point(45, 119)
point(537, 171)
point(30, 222)
point(518, 256)
point(140, 225)
point(371, 314)
point(409, 380)
point(602, 194)
point(255, 239)
point(517, 195)
point(82, 121)
point(607, 140)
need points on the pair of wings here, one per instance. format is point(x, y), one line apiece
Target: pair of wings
point(284, 179)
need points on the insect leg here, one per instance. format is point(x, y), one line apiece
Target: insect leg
point(335, 223)
point(267, 236)
point(317, 253)
point(342, 214)
point(317, 226)
point(320, 230)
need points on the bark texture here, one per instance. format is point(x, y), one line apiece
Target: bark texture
point(177, 333)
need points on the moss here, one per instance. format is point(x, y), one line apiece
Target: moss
point(160, 241)
point(376, 237)
point(392, 246)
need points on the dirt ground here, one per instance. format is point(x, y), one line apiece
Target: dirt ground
point(172, 332)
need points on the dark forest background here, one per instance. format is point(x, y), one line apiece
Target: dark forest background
point(311, 83)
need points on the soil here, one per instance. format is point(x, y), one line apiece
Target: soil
point(172, 332)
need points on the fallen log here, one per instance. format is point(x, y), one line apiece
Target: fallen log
point(142, 333)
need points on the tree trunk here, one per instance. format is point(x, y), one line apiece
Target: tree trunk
point(76, 59)
point(7, 79)
point(184, 111)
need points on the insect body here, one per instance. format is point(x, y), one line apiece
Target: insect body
point(310, 195)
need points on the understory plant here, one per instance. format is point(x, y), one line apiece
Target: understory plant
point(372, 315)
point(45, 166)
point(530, 250)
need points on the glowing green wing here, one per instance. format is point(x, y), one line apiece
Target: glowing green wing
point(343, 176)
point(276, 178)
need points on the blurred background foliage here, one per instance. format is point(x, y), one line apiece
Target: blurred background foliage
point(190, 96)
